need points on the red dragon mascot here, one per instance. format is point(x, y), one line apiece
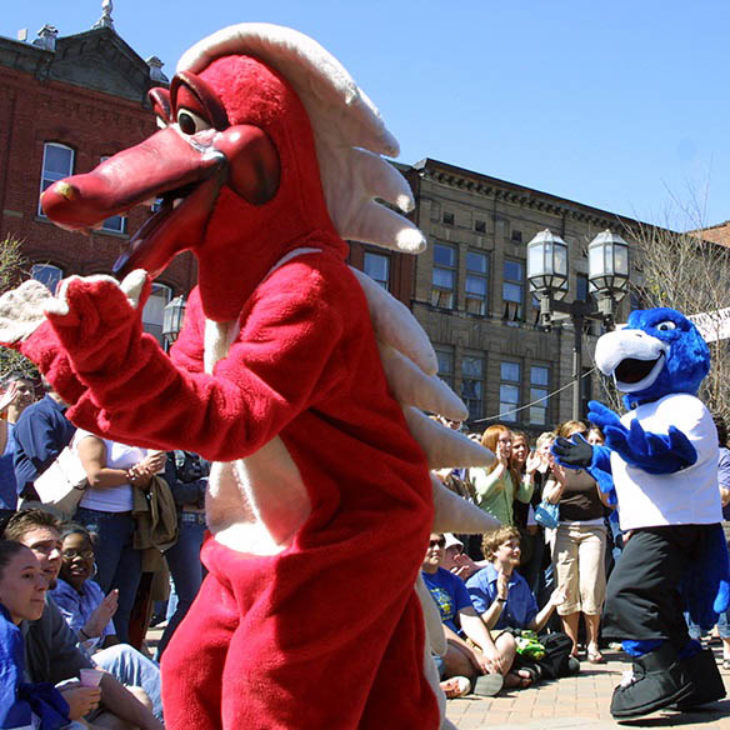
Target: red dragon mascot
point(301, 379)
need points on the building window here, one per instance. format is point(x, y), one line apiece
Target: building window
point(516, 236)
point(480, 226)
point(477, 271)
point(448, 219)
point(513, 289)
point(58, 163)
point(444, 276)
point(509, 390)
point(47, 274)
point(472, 385)
point(445, 357)
point(539, 389)
point(153, 312)
point(117, 223)
point(377, 267)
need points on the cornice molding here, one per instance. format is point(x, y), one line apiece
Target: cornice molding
point(502, 190)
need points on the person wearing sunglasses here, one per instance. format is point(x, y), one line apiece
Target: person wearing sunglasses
point(483, 658)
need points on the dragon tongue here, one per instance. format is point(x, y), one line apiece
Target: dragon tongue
point(177, 226)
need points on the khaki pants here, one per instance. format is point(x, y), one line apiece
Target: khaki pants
point(578, 557)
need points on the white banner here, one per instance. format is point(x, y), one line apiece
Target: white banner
point(713, 326)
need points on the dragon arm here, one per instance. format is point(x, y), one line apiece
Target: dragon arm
point(651, 452)
point(141, 396)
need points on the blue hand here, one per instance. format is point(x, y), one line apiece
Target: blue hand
point(602, 416)
point(651, 452)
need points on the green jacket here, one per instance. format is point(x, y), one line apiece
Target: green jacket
point(495, 494)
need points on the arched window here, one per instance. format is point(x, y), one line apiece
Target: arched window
point(153, 312)
point(47, 274)
point(58, 162)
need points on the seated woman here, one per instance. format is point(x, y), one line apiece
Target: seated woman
point(471, 652)
point(89, 613)
point(22, 597)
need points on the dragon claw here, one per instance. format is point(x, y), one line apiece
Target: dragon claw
point(22, 311)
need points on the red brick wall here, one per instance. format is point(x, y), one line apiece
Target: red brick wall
point(94, 125)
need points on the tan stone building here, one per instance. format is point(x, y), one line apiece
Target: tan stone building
point(470, 293)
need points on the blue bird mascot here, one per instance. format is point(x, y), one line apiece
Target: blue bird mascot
point(662, 456)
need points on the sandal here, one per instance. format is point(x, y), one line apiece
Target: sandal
point(516, 680)
point(488, 685)
point(455, 687)
point(595, 657)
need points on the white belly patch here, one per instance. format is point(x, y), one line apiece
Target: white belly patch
point(253, 505)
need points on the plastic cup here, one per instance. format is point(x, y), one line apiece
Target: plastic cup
point(90, 677)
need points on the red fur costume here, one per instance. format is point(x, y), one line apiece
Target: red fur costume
point(321, 503)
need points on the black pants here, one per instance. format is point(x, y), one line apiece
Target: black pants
point(643, 601)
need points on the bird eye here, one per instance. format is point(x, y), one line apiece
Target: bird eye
point(191, 123)
point(667, 326)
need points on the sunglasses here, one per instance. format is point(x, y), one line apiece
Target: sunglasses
point(437, 543)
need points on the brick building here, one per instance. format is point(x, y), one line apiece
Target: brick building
point(470, 293)
point(65, 104)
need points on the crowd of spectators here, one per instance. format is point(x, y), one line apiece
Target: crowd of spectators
point(510, 601)
point(65, 637)
point(530, 582)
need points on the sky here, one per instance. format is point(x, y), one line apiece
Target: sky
point(621, 105)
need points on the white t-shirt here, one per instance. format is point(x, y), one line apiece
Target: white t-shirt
point(686, 497)
point(118, 456)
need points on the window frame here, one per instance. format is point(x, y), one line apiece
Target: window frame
point(440, 293)
point(370, 255)
point(474, 404)
point(483, 301)
point(34, 271)
point(447, 353)
point(50, 179)
point(539, 390)
point(519, 314)
point(507, 382)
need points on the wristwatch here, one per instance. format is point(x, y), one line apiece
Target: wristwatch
point(500, 600)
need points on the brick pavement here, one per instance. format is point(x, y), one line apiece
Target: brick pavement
point(572, 703)
point(577, 702)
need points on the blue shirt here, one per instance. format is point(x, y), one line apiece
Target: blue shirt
point(520, 608)
point(77, 607)
point(8, 490)
point(450, 595)
point(41, 434)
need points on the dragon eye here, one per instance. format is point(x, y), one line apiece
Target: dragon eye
point(191, 123)
point(667, 326)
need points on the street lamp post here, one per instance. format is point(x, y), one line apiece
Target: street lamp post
point(172, 319)
point(608, 277)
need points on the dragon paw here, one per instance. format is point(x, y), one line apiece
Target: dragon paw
point(22, 311)
point(131, 286)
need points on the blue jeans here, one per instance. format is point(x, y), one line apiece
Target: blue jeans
point(183, 559)
point(118, 564)
point(133, 669)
